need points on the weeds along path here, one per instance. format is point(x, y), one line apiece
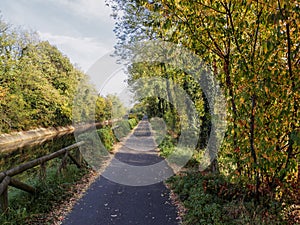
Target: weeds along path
point(131, 189)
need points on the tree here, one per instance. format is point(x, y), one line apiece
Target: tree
point(115, 106)
point(252, 48)
point(38, 83)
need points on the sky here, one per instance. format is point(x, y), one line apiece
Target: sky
point(81, 29)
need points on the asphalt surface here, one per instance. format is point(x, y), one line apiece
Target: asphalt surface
point(130, 190)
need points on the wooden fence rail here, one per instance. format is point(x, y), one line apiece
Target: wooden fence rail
point(6, 177)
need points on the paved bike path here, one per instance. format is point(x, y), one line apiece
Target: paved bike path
point(134, 192)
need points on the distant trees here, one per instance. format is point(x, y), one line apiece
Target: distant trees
point(38, 84)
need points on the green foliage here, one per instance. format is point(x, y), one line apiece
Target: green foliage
point(107, 137)
point(210, 199)
point(38, 85)
point(52, 191)
point(132, 123)
point(252, 48)
point(95, 151)
point(121, 129)
point(137, 111)
point(117, 108)
point(159, 129)
point(167, 146)
point(102, 109)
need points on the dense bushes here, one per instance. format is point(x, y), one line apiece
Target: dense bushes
point(107, 137)
point(167, 146)
point(210, 199)
point(132, 122)
point(123, 127)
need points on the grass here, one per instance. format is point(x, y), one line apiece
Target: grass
point(212, 199)
point(55, 188)
point(25, 208)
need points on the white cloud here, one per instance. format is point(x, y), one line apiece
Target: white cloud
point(81, 29)
point(81, 50)
point(87, 8)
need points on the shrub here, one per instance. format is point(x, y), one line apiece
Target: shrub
point(107, 137)
point(210, 199)
point(167, 146)
point(123, 128)
point(132, 122)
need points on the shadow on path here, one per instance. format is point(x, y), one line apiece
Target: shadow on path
point(134, 192)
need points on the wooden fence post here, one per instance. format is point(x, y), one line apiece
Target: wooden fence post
point(75, 161)
point(63, 162)
point(43, 171)
point(4, 194)
point(6, 177)
point(78, 156)
point(4, 200)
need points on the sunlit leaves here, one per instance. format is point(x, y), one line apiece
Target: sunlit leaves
point(253, 48)
point(37, 82)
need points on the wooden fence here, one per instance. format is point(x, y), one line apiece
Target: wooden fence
point(6, 177)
